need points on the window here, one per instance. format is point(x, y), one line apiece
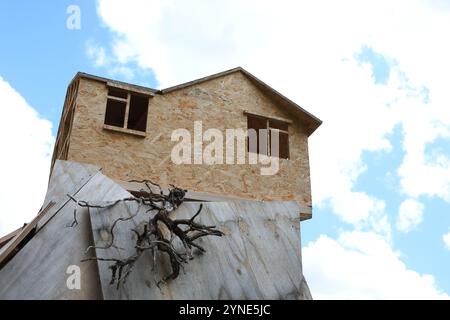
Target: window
point(265, 129)
point(126, 110)
point(259, 125)
point(115, 113)
point(137, 117)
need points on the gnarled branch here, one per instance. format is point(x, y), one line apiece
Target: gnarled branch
point(152, 237)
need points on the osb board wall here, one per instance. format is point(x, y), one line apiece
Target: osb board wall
point(62, 142)
point(219, 103)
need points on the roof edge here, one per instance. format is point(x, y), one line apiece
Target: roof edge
point(200, 80)
point(108, 80)
point(313, 121)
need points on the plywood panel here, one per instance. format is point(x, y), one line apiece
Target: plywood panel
point(219, 103)
point(258, 258)
point(67, 177)
point(38, 270)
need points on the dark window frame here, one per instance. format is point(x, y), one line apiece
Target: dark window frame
point(135, 115)
point(256, 122)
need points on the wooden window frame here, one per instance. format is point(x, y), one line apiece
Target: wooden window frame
point(124, 128)
point(269, 128)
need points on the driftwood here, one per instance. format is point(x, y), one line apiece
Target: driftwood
point(152, 236)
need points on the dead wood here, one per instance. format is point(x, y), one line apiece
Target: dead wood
point(152, 237)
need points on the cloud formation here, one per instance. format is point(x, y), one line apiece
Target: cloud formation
point(446, 239)
point(362, 265)
point(310, 51)
point(27, 145)
point(410, 215)
point(315, 63)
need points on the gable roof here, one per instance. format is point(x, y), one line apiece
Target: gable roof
point(116, 83)
point(310, 121)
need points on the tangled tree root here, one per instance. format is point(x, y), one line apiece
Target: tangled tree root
point(151, 238)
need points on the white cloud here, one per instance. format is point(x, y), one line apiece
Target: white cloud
point(292, 48)
point(123, 71)
point(422, 173)
point(113, 64)
point(363, 266)
point(307, 51)
point(96, 53)
point(446, 239)
point(27, 145)
point(410, 215)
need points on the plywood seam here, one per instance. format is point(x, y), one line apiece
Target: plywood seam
point(67, 201)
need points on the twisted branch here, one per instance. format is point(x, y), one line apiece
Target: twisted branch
point(152, 237)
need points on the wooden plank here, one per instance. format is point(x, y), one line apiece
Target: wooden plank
point(258, 258)
point(268, 117)
point(38, 270)
point(5, 239)
point(137, 133)
point(117, 84)
point(130, 87)
point(65, 124)
point(8, 249)
point(306, 215)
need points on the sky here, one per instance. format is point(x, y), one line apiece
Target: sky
point(376, 73)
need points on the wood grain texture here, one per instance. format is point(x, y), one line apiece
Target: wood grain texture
point(258, 258)
point(62, 142)
point(219, 103)
point(6, 238)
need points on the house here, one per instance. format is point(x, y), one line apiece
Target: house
point(114, 135)
point(127, 130)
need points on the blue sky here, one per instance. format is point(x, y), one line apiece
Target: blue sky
point(41, 47)
point(380, 162)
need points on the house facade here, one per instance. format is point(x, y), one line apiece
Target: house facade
point(136, 133)
point(112, 133)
